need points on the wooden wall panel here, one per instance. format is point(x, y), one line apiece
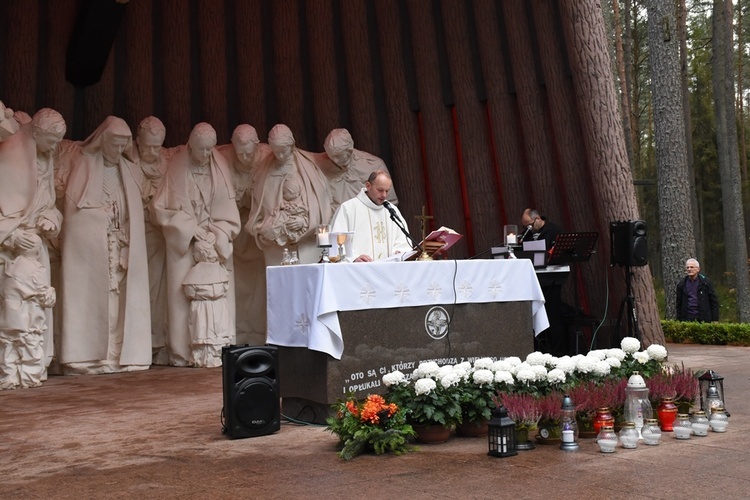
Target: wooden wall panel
point(540, 156)
point(98, 100)
point(135, 87)
point(213, 67)
point(502, 105)
point(249, 51)
point(406, 166)
point(438, 136)
point(175, 38)
point(58, 93)
point(479, 194)
point(323, 66)
point(21, 52)
point(288, 72)
point(359, 76)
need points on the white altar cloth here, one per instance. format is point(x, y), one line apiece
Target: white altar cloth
point(303, 301)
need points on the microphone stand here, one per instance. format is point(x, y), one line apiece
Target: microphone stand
point(396, 220)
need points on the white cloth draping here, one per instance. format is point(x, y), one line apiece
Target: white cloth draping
point(303, 300)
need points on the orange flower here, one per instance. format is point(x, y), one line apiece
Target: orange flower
point(376, 398)
point(352, 407)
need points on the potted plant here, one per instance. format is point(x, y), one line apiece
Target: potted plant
point(524, 410)
point(549, 419)
point(429, 398)
point(476, 394)
point(373, 424)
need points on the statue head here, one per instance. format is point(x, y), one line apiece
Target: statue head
point(201, 144)
point(116, 139)
point(339, 146)
point(47, 129)
point(281, 140)
point(245, 141)
point(150, 137)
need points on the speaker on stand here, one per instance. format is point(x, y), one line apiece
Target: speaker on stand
point(251, 390)
point(629, 248)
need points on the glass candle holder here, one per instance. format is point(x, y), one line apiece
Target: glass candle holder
point(603, 417)
point(682, 428)
point(718, 420)
point(651, 432)
point(700, 423)
point(607, 439)
point(629, 435)
point(667, 412)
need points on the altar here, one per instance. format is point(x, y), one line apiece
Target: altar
point(341, 327)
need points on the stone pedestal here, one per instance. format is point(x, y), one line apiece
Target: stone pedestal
point(378, 341)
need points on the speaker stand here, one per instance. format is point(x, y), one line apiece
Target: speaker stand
point(627, 306)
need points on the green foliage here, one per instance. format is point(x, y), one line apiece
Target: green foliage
point(476, 401)
point(371, 424)
point(706, 333)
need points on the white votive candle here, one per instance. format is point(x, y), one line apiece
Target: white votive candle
point(511, 239)
point(323, 240)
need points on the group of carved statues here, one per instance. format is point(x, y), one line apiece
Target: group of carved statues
point(148, 254)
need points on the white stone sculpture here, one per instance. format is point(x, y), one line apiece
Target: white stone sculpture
point(244, 155)
point(206, 286)
point(290, 199)
point(347, 168)
point(8, 124)
point(152, 160)
point(194, 203)
point(104, 284)
point(27, 197)
point(25, 296)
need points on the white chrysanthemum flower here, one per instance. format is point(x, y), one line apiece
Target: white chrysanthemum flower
point(450, 379)
point(585, 365)
point(513, 360)
point(616, 353)
point(602, 368)
point(613, 362)
point(424, 386)
point(526, 376)
point(549, 359)
point(501, 366)
point(541, 372)
point(483, 376)
point(483, 363)
point(630, 345)
point(536, 358)
point(504, 377)
point(657, 352)
point(462, 371)
point(641, 357)
point(598, 354)
point(428, 369)
point(519, 367)
point(566, 364)
point(394, 378)
point(444, 370)
point(556, 376)
point(463, 366)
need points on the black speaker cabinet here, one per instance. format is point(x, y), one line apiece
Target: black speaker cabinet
point(628, 243)
point(251, 390)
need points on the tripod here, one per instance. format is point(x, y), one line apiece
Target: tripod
point(628, 302)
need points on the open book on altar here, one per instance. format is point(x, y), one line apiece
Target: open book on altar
point(434, 244)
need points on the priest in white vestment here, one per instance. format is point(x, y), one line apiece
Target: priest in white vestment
point(375, 236)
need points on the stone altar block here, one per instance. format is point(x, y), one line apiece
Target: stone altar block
point(341, 327)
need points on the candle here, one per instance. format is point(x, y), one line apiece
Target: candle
point(323, 236)
point(511, 239)
point(567, 436)
point(502, 444)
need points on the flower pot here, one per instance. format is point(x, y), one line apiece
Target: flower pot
point(522, 439)
point(472, 429)
point(431, 433)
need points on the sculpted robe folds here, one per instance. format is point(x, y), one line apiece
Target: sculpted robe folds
point(375, 234)
point(173, 210)
point(87, 269)
point(27, 194)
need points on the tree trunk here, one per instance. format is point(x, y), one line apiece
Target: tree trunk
point(604, 141)
point(682, 34)
point(671, 155)
point(624, 90)
point(726, 139)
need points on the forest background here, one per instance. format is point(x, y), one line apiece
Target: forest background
point(716, 222)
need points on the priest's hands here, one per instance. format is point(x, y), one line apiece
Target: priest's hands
point(363, 258)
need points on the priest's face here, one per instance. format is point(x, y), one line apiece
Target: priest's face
point(378, 189)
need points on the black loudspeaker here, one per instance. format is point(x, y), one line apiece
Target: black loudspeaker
point(251, 390)
point(628, 243)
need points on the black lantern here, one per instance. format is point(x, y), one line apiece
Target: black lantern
point(712, 391)
point(501, 434)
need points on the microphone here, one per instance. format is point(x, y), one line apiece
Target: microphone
point(387, 204)
point(528, 228)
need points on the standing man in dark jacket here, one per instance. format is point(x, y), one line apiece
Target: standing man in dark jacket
point(696, 298)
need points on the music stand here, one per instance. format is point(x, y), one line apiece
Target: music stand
point(570, 248)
